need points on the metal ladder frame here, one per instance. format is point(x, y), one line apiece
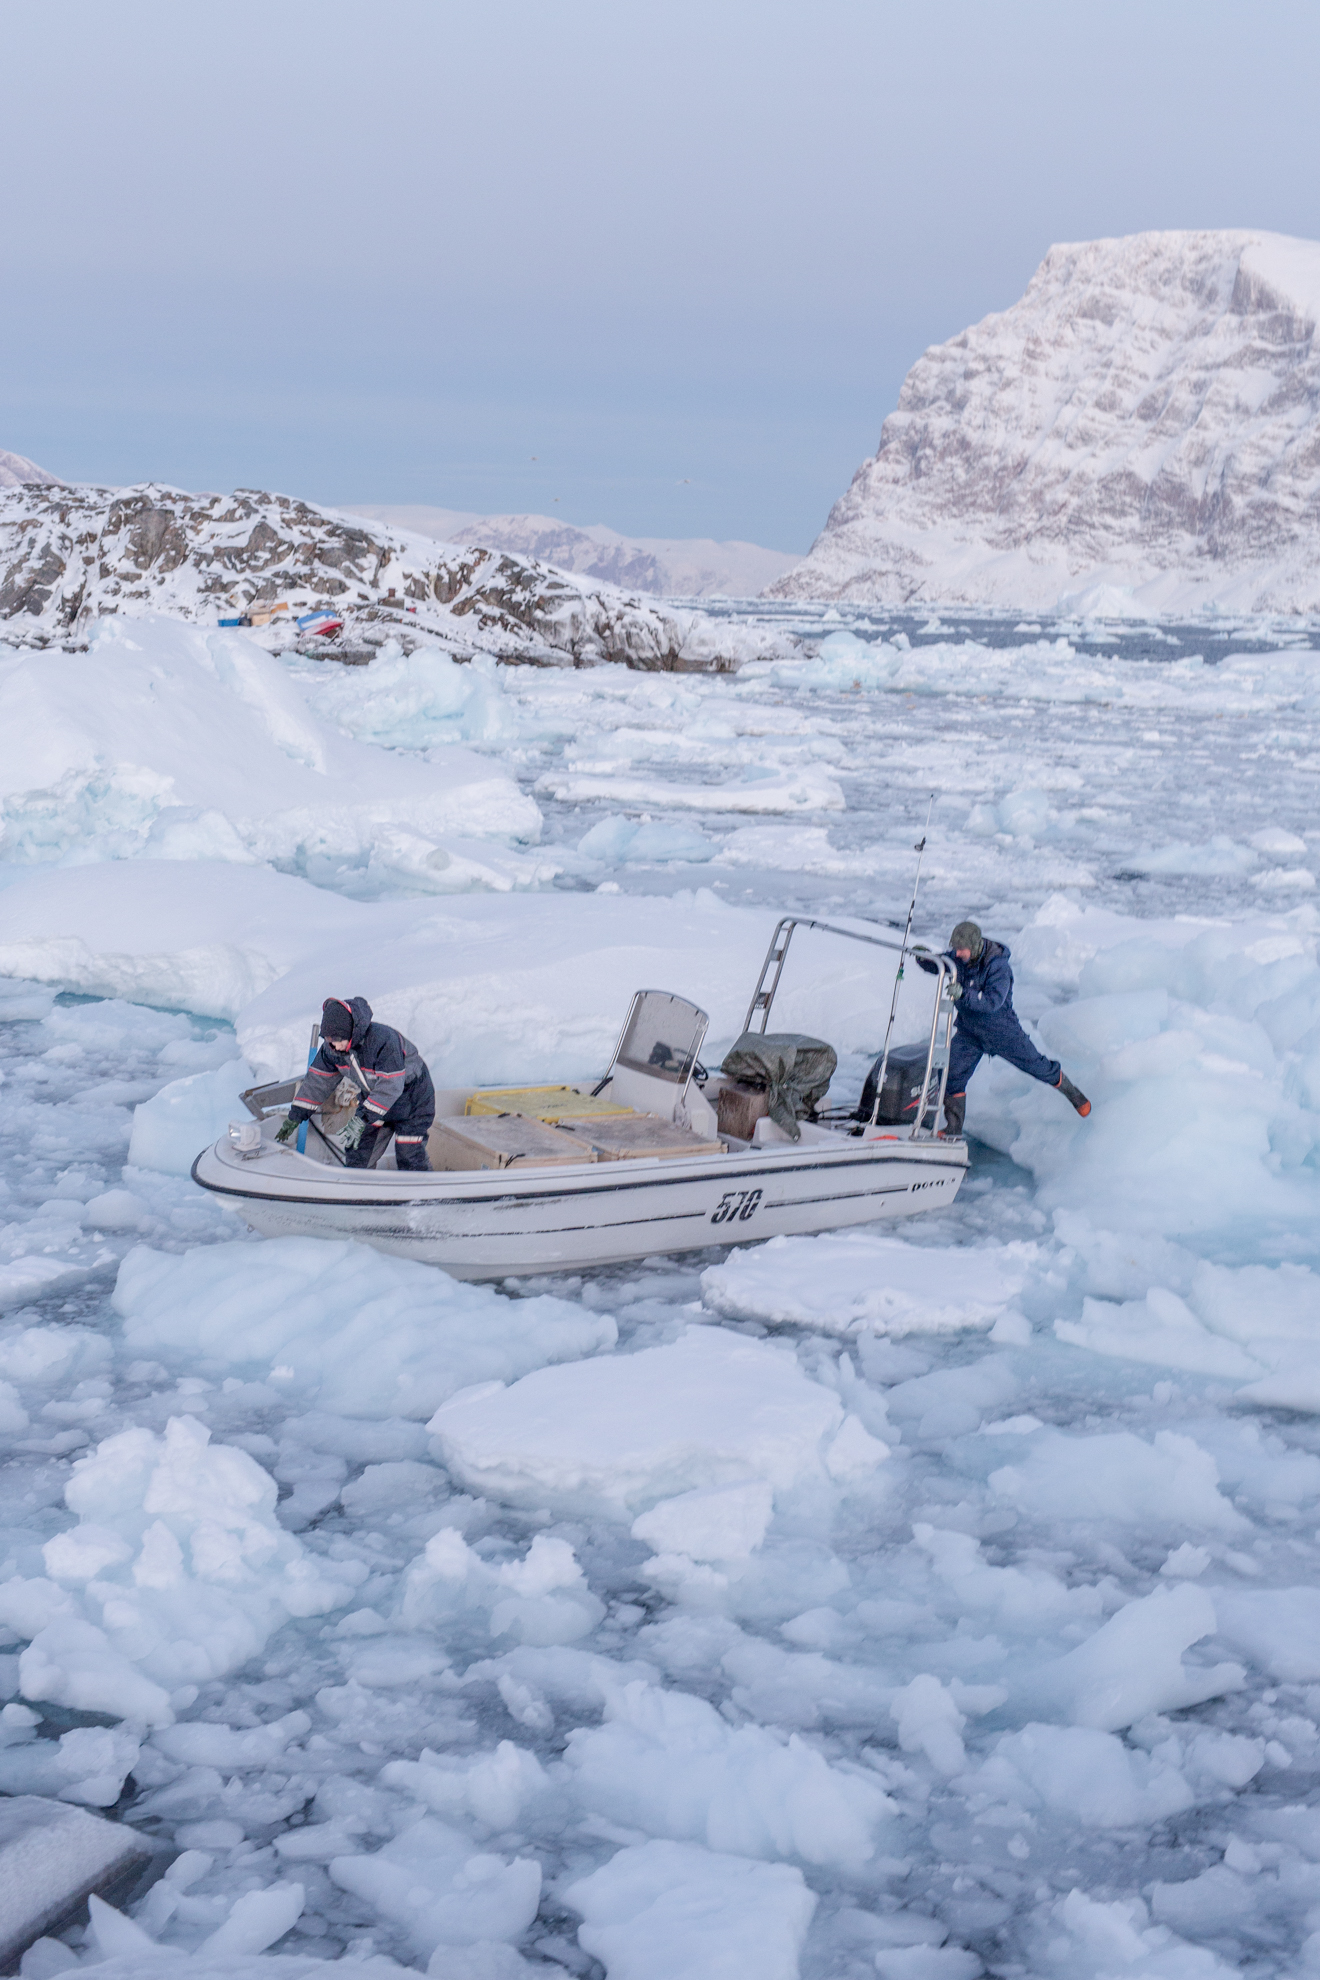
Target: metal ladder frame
point(941, 1023)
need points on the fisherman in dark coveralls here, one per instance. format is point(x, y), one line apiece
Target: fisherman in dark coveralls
point(391, 1077)
point(988, 1024)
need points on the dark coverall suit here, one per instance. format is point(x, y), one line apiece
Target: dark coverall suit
point(392, 1077)
point(988, 1025)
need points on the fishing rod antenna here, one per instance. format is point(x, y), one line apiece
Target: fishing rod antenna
point(920, 850)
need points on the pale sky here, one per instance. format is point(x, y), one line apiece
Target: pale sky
point(681, 254)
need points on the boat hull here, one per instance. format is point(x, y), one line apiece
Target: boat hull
point(490, 1226)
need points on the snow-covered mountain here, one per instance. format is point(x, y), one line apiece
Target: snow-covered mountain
point(17, 471)
point(69, 555)
point(1147, 417)
point(668, 567)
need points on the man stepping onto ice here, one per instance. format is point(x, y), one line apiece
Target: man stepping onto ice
point(988, 1024)
point(394, 1086)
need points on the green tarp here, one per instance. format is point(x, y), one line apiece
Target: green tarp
point(793, 1070)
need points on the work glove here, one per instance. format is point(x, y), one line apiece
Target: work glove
point(955, 992)
point(354, 1129)
point(288, 1128)
point(924, 959)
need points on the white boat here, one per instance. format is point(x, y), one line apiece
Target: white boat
point(597, 1172)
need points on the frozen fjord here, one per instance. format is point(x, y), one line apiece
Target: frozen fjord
point(981, 1633)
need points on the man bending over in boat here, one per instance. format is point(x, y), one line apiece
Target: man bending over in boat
point(391, 1077)
point(988, 1025)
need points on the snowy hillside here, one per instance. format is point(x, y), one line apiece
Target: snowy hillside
point(669, 567)
point(69, 555)
point(1146, 418)
point(16, 471)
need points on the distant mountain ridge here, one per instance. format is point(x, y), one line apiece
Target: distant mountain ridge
point(1144, 421)
point(17, 471)
point(667, 567)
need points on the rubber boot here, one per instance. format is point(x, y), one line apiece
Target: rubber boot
point(1073, 1094)
point(955, 1111)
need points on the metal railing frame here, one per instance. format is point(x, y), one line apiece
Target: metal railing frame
point(937, 1052)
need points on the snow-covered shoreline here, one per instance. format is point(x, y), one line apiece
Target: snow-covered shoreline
point(72, 554)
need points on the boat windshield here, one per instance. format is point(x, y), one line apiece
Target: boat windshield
point(662, 1036)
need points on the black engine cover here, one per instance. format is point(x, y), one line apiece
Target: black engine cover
point(901, 1096)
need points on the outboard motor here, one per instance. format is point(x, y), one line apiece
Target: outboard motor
point(901, 1097)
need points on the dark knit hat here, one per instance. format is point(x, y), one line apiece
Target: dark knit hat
point(336, 1019)
point(967, 936)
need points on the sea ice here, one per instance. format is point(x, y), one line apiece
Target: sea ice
point(441, 1891)
point(936, 1621)
point(1117, 1477)
point(665, 1908)
point(124, 1617)
point(666, 1763)
point(541, 1599)
point(615, 1434)
point(1086, 1776)
point(856, 1280)
point(187, 1115)
point(338, 1326)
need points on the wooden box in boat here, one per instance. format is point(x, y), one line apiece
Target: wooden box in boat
point(499, 1141)
point(629, 1137)
point(543, 1103)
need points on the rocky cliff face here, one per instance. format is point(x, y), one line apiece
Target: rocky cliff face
point(1146, 417)
point(69, 555)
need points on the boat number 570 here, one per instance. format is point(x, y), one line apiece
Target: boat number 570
point(739, 1204)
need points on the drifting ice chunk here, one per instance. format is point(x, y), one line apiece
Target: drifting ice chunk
point(177, 1573)
point(541, 1599)
point(627, 842)
point(806, 788)
point(431, 1882)
point(929, 1722)
point(667, 1763)
point(722, 1523)
point(1161, 1328)
point(256, 1921)
point(1119, 1477)
point(666, 1908)
point(615, 1434)
point(1133, 1664)
point(1083, 1940)
point(1278, 1628)
point(51, 1856)
point(1085, 1775)
point(856, 1281)
point(186, 1115)
point(352, 1331)
point(493, 1789)
point(89, 1764)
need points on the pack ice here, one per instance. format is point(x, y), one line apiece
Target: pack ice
point(924, 1605)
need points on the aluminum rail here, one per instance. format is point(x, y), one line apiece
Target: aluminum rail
point(941, 1024)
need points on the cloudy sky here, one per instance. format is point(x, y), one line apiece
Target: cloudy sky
point(660, 266)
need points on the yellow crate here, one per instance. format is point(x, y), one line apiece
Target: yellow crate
point(542, 1103)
